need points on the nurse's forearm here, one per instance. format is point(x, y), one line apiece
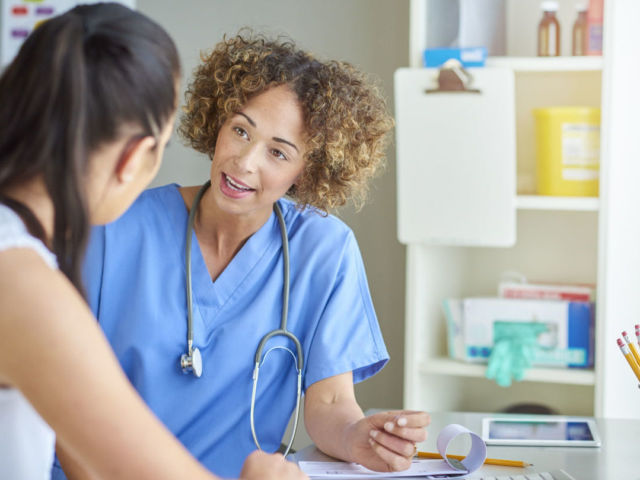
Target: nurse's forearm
point(331, 413)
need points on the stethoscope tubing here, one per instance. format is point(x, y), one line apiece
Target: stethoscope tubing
point(192, 217)
point(187, 360)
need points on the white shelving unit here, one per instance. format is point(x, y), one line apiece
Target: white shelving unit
point(549, 64)
point(558, 239)
point(447, 366)
point(575, 204)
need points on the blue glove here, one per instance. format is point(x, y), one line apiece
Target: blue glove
point(514, 347)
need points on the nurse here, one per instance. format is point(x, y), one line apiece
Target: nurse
point(284, 131)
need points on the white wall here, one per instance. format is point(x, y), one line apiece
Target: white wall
point(372, 34)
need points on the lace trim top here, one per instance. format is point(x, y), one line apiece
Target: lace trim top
point(26, 441)
point(14, 234)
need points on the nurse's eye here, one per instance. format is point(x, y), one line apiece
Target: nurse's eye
point(278, 154)
point(241, 132)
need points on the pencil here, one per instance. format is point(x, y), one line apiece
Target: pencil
point(630, 360)
point(632, 347)
point(488, 461)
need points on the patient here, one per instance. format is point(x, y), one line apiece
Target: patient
point(86, 109)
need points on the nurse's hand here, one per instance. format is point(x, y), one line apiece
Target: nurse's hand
point(265, 466)
point(386, 441)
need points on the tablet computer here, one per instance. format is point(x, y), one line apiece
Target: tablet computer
point(541, 431)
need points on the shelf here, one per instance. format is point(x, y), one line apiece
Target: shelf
point(447, 366)
point(541, 202)
point(547, 64)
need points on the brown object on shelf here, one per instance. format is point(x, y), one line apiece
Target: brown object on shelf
point(529, 408)
point(579, 34)
point(549, 30)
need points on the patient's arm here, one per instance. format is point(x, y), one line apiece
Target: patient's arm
point(72, 468)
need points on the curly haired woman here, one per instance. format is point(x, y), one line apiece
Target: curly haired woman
point(290, 138)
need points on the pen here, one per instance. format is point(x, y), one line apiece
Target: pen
point(487, 461)
point(627, 354)
point(632, 347)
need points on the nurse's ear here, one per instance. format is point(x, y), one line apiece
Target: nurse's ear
point(138, 157)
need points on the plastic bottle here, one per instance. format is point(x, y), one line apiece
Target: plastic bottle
point(549, 30)
point(594, 27)
point(579, 35)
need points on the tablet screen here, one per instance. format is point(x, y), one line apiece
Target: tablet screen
point(548, 430)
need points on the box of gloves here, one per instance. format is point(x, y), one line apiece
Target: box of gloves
point(547, 332)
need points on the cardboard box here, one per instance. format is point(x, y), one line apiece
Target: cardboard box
point(568, 340)
point(547, 291)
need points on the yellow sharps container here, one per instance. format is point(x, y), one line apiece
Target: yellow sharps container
point(568, 150)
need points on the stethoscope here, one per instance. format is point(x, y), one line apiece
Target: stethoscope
point(191, 362)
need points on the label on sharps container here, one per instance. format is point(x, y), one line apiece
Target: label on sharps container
point(580, 174)
point(580, 145)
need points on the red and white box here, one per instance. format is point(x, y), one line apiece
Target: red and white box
point(547, 291)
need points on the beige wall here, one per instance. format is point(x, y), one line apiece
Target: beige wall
point(372, 34)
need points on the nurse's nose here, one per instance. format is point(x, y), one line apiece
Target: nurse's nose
point(249, 158)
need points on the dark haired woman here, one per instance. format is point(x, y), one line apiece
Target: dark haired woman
point(86, 109)
point(274, 121)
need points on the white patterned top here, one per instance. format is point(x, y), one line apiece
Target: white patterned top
point(26, 441)
point(14, 234)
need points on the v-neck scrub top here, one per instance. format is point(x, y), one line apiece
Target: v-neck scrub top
point(135, 275)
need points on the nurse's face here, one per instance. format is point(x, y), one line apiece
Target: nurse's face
point(259, 154)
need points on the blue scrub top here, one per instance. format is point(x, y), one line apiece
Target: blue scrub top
point(135, 275)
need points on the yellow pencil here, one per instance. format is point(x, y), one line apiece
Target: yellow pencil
point(632, 347)
point(629, 356)
point(488, 461)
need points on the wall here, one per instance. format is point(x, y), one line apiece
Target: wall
point(372, 34)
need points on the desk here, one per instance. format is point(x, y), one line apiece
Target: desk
point(617, 459)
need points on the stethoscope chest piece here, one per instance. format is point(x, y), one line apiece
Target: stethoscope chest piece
point(192, 363)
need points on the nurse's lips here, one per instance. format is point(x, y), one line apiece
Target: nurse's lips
point(233, 187)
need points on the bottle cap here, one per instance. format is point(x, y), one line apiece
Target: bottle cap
point(581, 7)
point(549, 6)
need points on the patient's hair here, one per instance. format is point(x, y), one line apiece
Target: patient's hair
point(76, 81)
point(346, 118)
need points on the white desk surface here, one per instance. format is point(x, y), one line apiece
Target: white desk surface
point(617, 459)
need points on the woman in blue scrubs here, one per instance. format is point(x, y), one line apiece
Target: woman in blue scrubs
point(283, 128)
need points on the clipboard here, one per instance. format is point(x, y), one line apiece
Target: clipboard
point(456, 157)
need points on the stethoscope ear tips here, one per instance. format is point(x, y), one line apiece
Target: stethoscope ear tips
point(192, 363)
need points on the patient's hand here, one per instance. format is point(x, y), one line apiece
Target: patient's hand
point(387, 441)
point(265, 466)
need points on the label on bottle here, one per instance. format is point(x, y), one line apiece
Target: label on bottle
point(551, 39)
point(595, 39)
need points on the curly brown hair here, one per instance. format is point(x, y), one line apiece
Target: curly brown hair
point(346, 118)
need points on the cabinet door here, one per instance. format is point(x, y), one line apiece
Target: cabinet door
point(456, 159)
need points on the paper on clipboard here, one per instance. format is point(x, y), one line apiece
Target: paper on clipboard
point(456, 157)
point(448, 468)
point(343, 470)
